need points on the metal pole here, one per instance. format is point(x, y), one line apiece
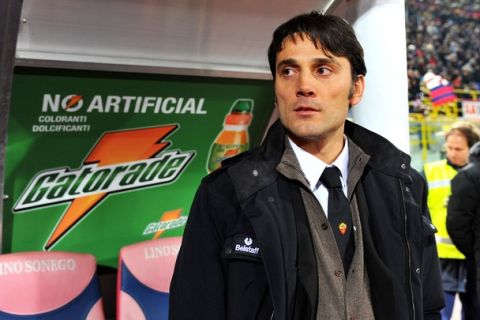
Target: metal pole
point(10, 12)
point(331, 6)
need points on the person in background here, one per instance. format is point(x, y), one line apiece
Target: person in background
point(463, 224)
point(458, 140)
point(325, 220)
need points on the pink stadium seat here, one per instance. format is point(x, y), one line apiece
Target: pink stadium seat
point(144, 274)
point(49, 285)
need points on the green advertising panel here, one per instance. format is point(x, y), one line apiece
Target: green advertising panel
point(96, 160)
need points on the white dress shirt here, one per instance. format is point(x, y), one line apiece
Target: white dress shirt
point(313, 167)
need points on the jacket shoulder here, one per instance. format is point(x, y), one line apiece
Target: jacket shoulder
point(471, 173)
point(235, 162)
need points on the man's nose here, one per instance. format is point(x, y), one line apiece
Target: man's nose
point(305, 85)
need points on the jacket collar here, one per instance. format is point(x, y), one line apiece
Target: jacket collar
point(385, 157)
point(258, 168)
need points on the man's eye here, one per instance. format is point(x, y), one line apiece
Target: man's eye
point(324, 70)
point(287, 71)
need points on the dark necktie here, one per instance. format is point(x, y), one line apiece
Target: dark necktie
point(339, 215)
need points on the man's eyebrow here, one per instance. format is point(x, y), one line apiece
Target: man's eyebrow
point(317, 61)
point(287, 62)
point(320, 61)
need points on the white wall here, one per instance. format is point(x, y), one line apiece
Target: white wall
point(380, 27)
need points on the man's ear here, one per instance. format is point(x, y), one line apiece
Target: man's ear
point(358, 87)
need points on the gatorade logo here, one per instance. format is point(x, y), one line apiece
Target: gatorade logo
point(169, 220)
point(119, 161)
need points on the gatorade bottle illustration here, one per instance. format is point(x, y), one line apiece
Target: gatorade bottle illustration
point(233, 139)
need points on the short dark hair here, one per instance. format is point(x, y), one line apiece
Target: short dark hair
point(333, 34)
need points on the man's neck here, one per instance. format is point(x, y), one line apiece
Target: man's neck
point(454, 166)
point(326, 150)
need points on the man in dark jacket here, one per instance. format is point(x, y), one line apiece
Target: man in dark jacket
point(463, 221)
point(259, 242)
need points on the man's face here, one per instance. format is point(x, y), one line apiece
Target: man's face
point(314, 91)
point(457, 149)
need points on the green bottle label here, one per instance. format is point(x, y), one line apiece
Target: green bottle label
point(220, 152)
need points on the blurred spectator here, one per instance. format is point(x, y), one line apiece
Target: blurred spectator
point(458, 141)
point(463, 218)
point(443, 36)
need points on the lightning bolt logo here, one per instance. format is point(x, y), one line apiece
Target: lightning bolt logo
point(167, 216)
point(112, 148)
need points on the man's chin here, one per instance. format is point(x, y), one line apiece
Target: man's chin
point(305, 135)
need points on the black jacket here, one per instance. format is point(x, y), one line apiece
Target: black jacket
point(463, 214)
point(217, 278)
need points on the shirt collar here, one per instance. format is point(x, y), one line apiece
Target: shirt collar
point(313, 167)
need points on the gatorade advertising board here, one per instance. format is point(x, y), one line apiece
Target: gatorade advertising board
point(96, 160)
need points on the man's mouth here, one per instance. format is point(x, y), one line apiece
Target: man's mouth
point(305, 110)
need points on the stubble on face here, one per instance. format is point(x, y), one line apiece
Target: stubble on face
point(313, 90)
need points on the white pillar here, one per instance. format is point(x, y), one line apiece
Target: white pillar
point(380, 28)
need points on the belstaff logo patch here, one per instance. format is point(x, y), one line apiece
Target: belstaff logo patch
point(245, 246)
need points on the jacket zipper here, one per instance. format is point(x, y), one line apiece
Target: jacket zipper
point(408, 249)
point(273, 312)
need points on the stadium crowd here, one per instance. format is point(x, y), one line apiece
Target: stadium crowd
point(443, 36)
